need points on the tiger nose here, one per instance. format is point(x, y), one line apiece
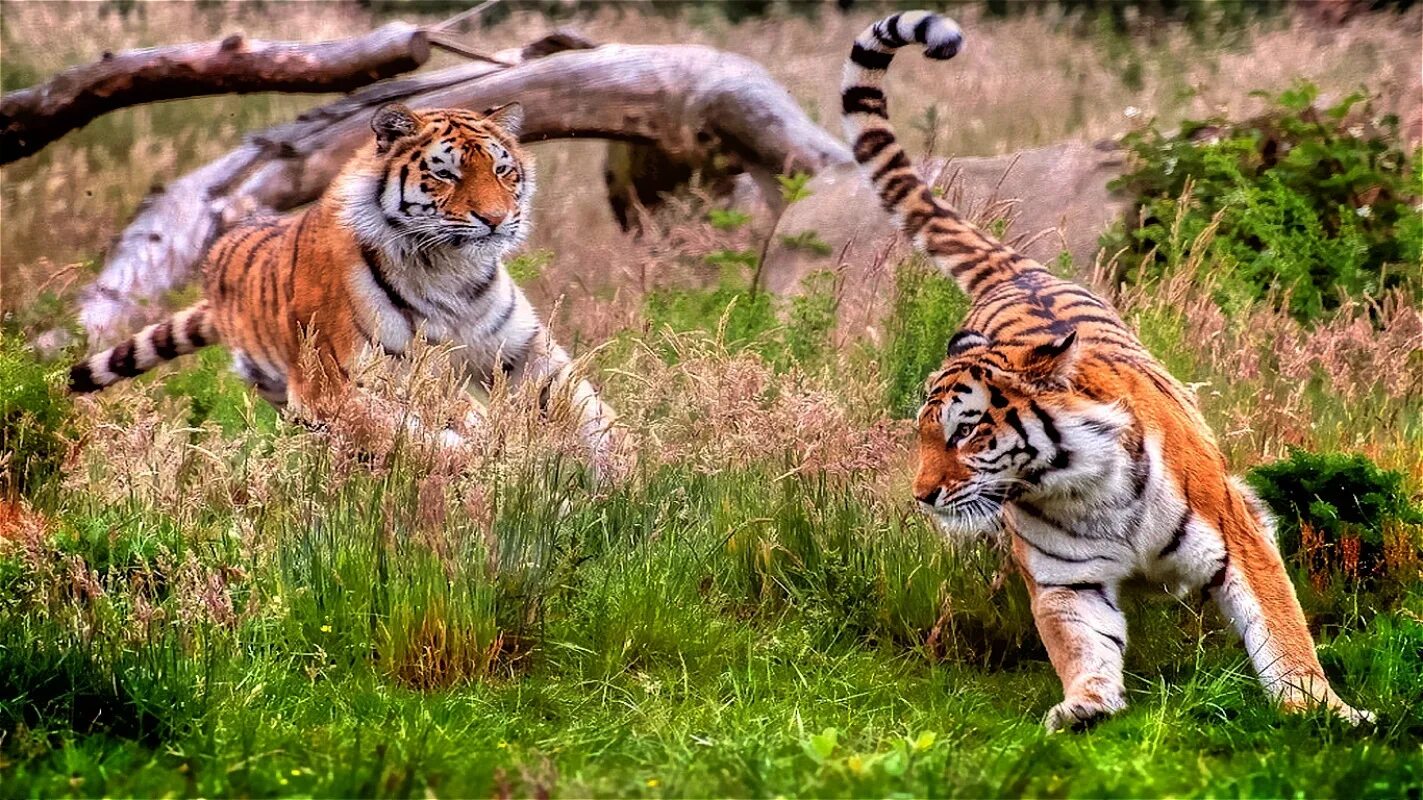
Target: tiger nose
point(928, 498)
point(492, 218)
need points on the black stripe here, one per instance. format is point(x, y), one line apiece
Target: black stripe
point(1016, 423)
point(1059, 557)
point(296, 252)
point(1178, 536)
point(545, 396)
point(81, 379)
point(898, 188)
point(1218, 579)
point(122, 361)
point(976, 280)
point(1113, 638)
point(871, 143)
point(163, 343)
point(870, 59)
point(897, 161)
point(887, 31)
point(921, 30)
point(372, 260)
point(864, 100)
point(503, 318)
point(1075, 617)
point(1141, 472)
point(194, 330)
point(268, 234)
point(1046, 421)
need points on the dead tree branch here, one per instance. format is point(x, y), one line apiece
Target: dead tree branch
point(683, 99)
point(32, 118)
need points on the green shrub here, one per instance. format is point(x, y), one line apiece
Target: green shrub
point(927, 308)
point(1339, 496)
point(34, 420)
point(1314, 206)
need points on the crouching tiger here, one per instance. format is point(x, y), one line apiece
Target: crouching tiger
point(408, 239)
point(1050, 421)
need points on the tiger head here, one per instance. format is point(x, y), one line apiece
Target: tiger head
point(1003, 424)
point(442, 179)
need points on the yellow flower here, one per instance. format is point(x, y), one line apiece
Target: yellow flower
point(325, 628)
point(653, 783)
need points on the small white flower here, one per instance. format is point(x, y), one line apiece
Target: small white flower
point(1364, 212)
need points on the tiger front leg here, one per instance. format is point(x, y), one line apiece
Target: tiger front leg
point(1086, 638)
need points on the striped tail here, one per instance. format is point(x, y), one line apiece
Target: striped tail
point(185, 332)
point(975, 259)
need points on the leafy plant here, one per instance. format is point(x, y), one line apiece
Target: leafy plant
point(794, 187)
point(1312, 207)
point(727, 219)
point(1335, 497)
point(808, 241)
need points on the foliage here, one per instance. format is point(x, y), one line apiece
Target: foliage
point(927, 308)
point(34, 424)
point(788, 332)
point(1336, 495)
point(1312, 207)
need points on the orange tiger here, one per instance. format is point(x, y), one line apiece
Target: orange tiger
point(408, 239)
point(1049, 420)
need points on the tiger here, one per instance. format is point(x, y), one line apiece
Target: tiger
point(407, 241)
point(1051, 428)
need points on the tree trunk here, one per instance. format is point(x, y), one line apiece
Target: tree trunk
point(32, 118)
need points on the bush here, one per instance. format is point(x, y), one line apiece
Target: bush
point(1314, 206)
point(34, 420)
point(1335, 497)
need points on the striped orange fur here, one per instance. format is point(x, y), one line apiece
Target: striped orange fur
point(408, 240)
point(1051, 423)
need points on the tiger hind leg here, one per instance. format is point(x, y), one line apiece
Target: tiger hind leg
point(1261, 605)
point(1085, 633)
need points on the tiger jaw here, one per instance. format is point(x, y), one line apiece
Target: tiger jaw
point(968, 515)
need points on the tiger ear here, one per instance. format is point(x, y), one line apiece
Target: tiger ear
point(964, 341)
point(509, 116)
point(1053, 364)
point(393, 122)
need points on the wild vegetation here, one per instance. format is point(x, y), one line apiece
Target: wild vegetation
point(200, 598)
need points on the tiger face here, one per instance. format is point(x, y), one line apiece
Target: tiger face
point(448, 178)
point(991, 430)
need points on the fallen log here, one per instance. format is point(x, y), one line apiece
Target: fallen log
point(32, 118)
point(683, 99)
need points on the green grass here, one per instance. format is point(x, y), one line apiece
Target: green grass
point(688, 634)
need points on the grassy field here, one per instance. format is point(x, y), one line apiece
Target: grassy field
point(198, 598)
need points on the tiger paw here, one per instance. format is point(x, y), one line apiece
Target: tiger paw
point(1355, 716)
point(1080, 713)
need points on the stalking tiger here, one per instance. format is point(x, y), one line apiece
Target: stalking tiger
point(1049, 420)
point(408, 239)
